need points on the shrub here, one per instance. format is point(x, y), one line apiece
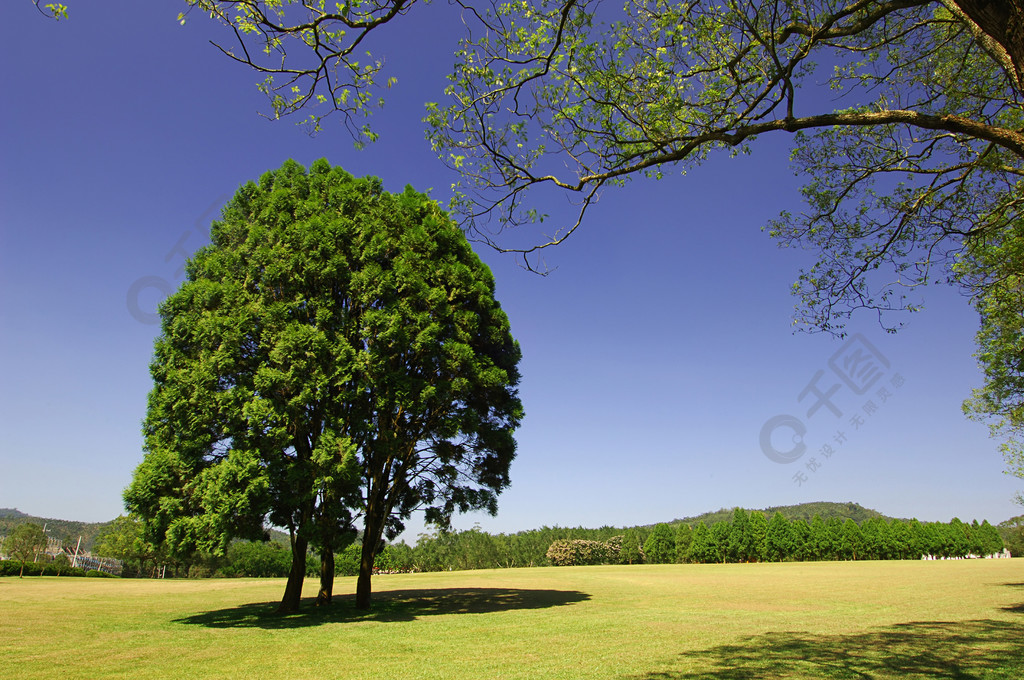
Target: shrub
point(578, 551)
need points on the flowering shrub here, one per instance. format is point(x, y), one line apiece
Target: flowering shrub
point(567, 552)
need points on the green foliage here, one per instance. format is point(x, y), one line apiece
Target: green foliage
point(580, 551)
point(660, 546)
point(684, 534)
point(335, 350)
point(801, 511)
point(1011, 532)
point(57, 567)
point(910, 137)
point(702, 547)
point(256, 559)
point(632, 550)
point(65, 531)
point(123, 540)
point(779, 539)
point(25, 543)
point(993, 267)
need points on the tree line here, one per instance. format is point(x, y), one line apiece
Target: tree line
point(752, 537)
point(748, 536)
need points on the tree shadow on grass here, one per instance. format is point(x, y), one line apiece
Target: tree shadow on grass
point(925, 649)
point(388, 606)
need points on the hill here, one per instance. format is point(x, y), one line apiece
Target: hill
point(67, 531)
point(802, 511)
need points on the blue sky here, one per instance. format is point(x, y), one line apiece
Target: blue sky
point(653, 355)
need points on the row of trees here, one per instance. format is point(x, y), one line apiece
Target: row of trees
point(751, 537)
point(747, 536)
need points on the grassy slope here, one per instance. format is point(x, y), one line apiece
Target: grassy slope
point(843, 620)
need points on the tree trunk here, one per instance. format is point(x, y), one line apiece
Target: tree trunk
point(1003, 22)
point(326, 578)
point(372, 530)
point(365, 572)
point(293, 590)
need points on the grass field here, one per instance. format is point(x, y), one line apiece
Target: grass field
point(816, 620)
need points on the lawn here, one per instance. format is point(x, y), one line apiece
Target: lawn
point(960, 619)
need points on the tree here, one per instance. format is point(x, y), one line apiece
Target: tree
point(818, 541)
point(335, 356)
point(911, 142)
point(701, 549)
point(684, 534)
point(779, 543)
point(123, 540)
point(758, 529)
point(852, 546)
point(632, 549)
point(25, 543)
point(994, 267)
point(740, 543)
point(660, 546)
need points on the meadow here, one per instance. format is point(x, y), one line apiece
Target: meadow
point(956, 619)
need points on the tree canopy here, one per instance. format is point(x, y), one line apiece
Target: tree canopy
point(907, 117)
point(335, 358)
point(25, 543)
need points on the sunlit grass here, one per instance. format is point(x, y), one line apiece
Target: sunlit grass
point(842, 620)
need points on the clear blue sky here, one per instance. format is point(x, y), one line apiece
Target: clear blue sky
point(652, 356)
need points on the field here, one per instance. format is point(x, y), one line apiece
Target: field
point(838, 620)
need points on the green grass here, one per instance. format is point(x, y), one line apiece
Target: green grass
point(838, 620)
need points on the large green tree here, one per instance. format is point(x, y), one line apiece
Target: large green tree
point(335, 359)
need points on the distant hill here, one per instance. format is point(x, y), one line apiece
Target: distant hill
point(803, 511)
point(66, 531)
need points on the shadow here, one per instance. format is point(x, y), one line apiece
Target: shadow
point(388, 606)
point(933, 649)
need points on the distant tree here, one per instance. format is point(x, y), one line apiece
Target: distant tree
point(257, 559)
point(779, 542)
point(25, 543)
point(632, 551)
point(852, 547)
point(123, 540)
point(957, 538)
point(720, 536)
point(660, 546)
point(801, 532)
point(833, 547)
point(901, 540)
point(702, 549)
point(1012, 533)
point(990, 540)
point(818, 542)
point(739, 544)
point(60, 563)
point(758, 529)
point(684, 534)
point(876, 538)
